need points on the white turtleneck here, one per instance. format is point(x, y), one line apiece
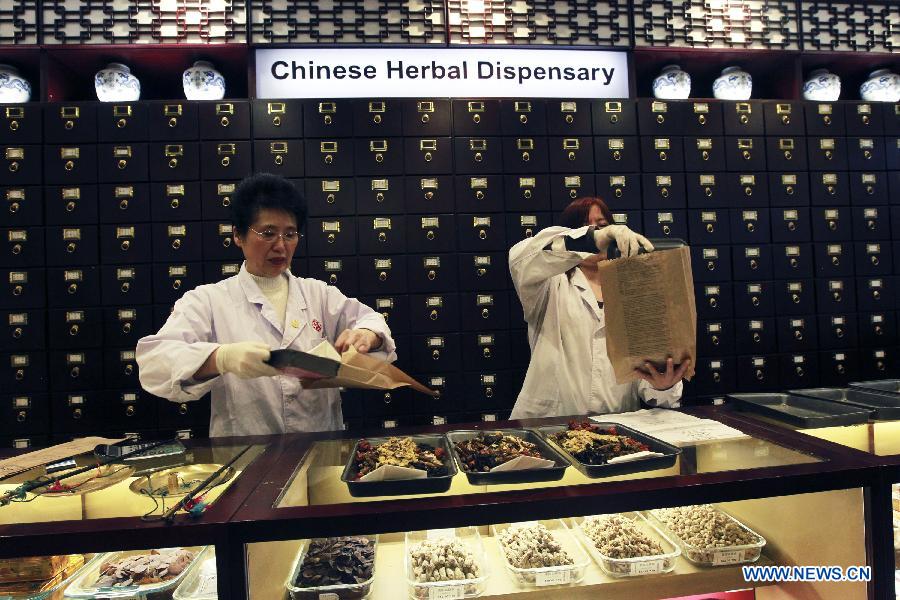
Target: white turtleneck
point(275, 289)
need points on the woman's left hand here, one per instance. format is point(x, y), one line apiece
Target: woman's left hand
point(361, 339)
point(663, 381)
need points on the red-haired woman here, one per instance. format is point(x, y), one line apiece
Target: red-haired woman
point(556, 278)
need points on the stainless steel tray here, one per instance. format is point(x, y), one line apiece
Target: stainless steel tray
point(883, 406)
point(801, 411)
point(425, 485)
point(524, 476)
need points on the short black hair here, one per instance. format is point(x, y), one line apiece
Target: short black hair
point(261, 191)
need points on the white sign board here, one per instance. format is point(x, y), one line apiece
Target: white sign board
point(450, 72)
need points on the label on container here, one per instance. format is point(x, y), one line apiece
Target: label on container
point(542, 578)
point(436, 534)
point(727, 557)
point(329, 596)
point(646, 567)
point(447, 592)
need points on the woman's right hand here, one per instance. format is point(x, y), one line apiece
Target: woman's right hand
point(244, 359)
point(628, 241)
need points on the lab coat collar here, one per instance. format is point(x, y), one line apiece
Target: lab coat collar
point(296, 305)
point(587, 294)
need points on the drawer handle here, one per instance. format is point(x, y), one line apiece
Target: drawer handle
point(435, 354)
point(429, 235)
point(704, 154)
point(174, 203)
point(279, 159)
point(713, 303)
point(17, 291)
point(481, 272)
point(789, 190)
point(226, 160)
point(21, 416)
point(431, 275)
point(173, 163)
point(17, 333)
point(747, 154)
point(615, 119)
point(701, 119)
point(129, 411)
point(760, 374)
point(377, 119)
point(20, 374)
point(795, 298)
point(123, 205)
point(838, 332)
point(800, 372)
point(836, 296)
point(176, 244)
point(489, 392)
point(382, 276)
point(182, 409)
point(788, 155)
point(485, 313)
point(711, 265)
point(748, 191)
point(226, 201)
point(13, 166)
point(526, 156)
point(73, 288)
point(74, 330)
point(14, 207)
point(68, 125)
point(798, 335)
point(122, 164)
point(744, 119)
point(710, 228)
point(433, 315)
point(379, 197)
point(486, 352)
point(125, 287)
point(75, 372)
point(523, 119)
point(327, 119)
point(667, 230)
point(224, 121)
point(571, 155)
point(751, 227)
point(786, 119)
point(69, 165)
point(832, 225)
point(756, 337)
point(17, 249)
point(618, 192)
point(173, 121)
point(754, 300)
point(331, 238)
point(715, 340)
point(573, 194)
point(482, 234)
point(176, 285)
point(840, 368)
point(125, 245)
point(126, 327)
point(276, 121)
point(332, 279)
point(76, 414)
point(660, 119)
point(426, 118)
point(226, 242)
point(13, 125)
point(716, 377)
point(129, 369)
point(330, 198)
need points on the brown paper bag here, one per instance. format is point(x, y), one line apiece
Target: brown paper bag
point(650, 311)
point(354, 370)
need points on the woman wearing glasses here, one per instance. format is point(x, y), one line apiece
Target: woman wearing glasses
point(218, 336)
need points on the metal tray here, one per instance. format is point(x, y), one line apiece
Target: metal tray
point(883, 406)
point(553, 473)
point(801, 411)
point(881, 386)
point(670, 452)
point(425, 485)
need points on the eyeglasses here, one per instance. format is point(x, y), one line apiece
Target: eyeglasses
point(270, 236)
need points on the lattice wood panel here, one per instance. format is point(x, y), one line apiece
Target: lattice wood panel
point(763, 24)
point(566, 22)
point(18, 22)
point(143, 21)
point(347, 21)
point(852, 26)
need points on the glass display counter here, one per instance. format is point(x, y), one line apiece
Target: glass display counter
point(796, 494)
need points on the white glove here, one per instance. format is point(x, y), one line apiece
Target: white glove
point(629, 242)
point(244, 359)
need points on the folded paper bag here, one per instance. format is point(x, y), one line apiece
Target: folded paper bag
point(635, 456)
point(393, 472)
point(521, 463)
point(323, 367)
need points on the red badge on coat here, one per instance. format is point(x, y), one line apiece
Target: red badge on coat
point(316, 325)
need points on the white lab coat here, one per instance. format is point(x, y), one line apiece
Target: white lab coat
point(235, 310)
point(570, 372)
